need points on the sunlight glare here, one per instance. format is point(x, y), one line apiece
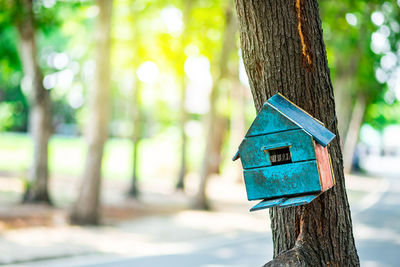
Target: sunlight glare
point(388, 61)
point(172, 19)
point(379, 43)
point(49, 81)
point(148, 72)
point(75, 96)
point(377, 18)
point(351, 19)
point(197, 70)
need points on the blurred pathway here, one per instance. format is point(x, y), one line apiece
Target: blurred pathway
point(230, 236)
point(377, 228)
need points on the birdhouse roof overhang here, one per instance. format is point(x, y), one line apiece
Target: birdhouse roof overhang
point(290, 117)
point(311, 125)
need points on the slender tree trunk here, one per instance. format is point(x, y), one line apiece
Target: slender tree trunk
point(40, 110)
point(228, 46)
point(352, 133)
point(86, 209)
point(343, 95)
point(221, 128)
point(237, 126)
point(180, 184)
point(283, 51)
point(136, 138)
point(347, 86)
point(134, 189)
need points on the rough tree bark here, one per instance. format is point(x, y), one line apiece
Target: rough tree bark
point(40, 109)
point(86, 208)
point(228, 46)
point(283, 51)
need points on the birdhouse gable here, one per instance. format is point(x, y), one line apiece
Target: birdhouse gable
point(270, 120)
point(314, 127)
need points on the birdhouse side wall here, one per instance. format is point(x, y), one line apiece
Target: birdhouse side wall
point(324, 167)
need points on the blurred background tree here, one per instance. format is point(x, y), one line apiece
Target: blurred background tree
point(86, 208)
point(178, 94)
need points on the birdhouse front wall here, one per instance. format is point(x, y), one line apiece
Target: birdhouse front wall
point(256, 151)
point(280, 164)
point(282, 180)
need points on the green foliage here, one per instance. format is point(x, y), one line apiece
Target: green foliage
point(348, 31)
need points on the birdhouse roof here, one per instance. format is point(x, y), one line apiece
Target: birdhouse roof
point(279, 114)
point(300, 117)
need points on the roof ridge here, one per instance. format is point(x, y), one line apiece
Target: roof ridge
point(320, 122)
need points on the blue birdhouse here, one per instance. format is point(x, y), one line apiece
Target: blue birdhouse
point(285, 157)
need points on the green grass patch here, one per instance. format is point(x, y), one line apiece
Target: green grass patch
point(158, 156)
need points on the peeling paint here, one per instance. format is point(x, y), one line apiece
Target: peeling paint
point(300, 30)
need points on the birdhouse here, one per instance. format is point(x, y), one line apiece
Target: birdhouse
point(285, 157)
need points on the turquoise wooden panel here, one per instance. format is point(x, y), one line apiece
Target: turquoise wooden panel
point(269, 120)
point(252, 152)
point(297, 201)
point(282, 180)
point(265, 204)
point(319, 132)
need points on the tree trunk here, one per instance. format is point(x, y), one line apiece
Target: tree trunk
point(86, 209)
point(136, 137)
point(352, 133)
point(283, 51)
point(180, 184)
point(237, 126)
point(221, 128)
point(134, 189)
point(228, 46)
point(40, 110)
point(343, 95)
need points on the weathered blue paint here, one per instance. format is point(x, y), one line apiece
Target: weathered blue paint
point(284, 202)
point(254, 150)
point(265, 204)
point(287, 135)
point(282, 180)
point(322, 135)
point(297, 201)
point(276, 145)
point(269, 120)
point(237, 155)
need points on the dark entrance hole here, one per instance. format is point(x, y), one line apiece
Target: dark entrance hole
point(280, 156)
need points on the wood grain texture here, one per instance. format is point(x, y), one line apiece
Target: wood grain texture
point(282, 180)
point(318, 234)
point(252, 150)
point(324, 167)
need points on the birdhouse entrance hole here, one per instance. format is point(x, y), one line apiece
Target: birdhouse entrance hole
point(280, 156)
